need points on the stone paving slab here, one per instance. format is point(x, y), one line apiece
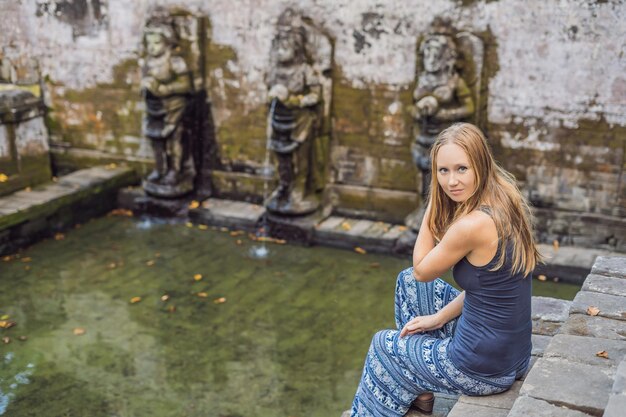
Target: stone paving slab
point(605, 285)
point(584, 325)
point(548, 314)
point(581, 349)
point(469, 410)
point(228, 213)
point(532, 407)
point(611, 306)
point(612, 266)
point(575, 385)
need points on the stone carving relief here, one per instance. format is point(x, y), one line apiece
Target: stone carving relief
point(167, 87)
point(299, 90)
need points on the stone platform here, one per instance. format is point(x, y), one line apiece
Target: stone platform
point(32, 214)
point(568, 264)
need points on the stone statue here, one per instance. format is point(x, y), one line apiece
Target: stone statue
point(295, 90)
point(166, 85)
point(442, 97)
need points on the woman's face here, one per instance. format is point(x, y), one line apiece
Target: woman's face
point(455, 175)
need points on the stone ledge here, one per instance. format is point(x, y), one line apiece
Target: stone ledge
point(466, 410)
point(532, 407)
point(26, 216)
point(605, 285)
point(228, 213)
point(574, 385)
point(548, 314)
point(583, 350)
point(615, 406)
point(611, 266)
point(611, 306)
point(600, 327)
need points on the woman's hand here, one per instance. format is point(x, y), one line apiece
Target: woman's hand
point(422, 324)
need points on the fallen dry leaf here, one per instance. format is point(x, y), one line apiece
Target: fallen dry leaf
point(121, 212)
point(22, 338)
point(28, 189)
point(27, 268)
point(189, 224)
point(150, 263)
point(402, 228)
point(27, 259)
point(223, 229)
point(203, 227)
point(360, 250)
point(220, 300)
point(542, 278)
point(194, 205)
point(7, 258)
point(112, 265)
point(110, 166)
point(3, 177)
point(165, 297)
point(6, 324)
point(593, 310)
point(374, 265)
point(603, 354)
point(202, 295)
point(171, 309)
point(280, 241)
point(346, 226)
point(237, 233)
point(157, 254)
point(135, 300)
point(197, 277)
point(59, 236)
point(239, 242)
point(555, 245)
point(6, 340)
point(79, 331)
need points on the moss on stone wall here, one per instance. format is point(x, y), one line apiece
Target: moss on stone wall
point(99, 117)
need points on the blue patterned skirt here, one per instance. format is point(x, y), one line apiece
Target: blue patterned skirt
point(397, 369)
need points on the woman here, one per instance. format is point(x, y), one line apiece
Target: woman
point(477, 223)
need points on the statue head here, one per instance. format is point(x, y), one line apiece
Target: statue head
point(438, 49)
point(289, 43)
point(159, 34)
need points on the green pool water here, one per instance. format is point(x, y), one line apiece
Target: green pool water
point(289, 339)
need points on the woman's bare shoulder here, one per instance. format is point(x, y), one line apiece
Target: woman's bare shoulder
point(477, 224)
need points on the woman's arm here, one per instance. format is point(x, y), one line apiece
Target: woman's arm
point(463, 236)
point(435, 321)
point(425, 241)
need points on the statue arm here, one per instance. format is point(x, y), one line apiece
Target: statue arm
point(463, 110)
point(181, 84)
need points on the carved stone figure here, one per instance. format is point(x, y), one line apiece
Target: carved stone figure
point(441, 97)
point(166, 85)
point(296, 93)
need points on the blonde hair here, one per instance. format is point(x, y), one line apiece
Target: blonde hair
point(495, 188)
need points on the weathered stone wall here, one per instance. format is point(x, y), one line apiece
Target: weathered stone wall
point(556, 104)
